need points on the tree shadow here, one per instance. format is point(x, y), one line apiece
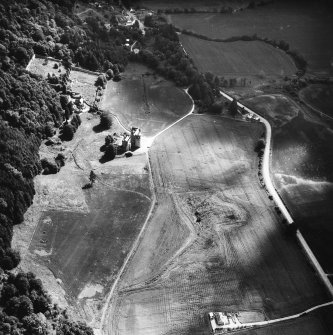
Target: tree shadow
point(98, 128)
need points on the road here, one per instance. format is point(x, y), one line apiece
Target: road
point(278, 201)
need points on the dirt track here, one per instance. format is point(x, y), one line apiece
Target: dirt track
point(234, 257)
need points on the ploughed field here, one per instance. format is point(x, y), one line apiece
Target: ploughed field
point(144, 100)
point(214, 241)
point(307, 28)
point(302, 165)
point(238, 58)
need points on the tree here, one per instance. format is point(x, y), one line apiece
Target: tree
point(92, 177)
point(105, 120)
point(110, 152)
point(233, 109)
point(68, 132)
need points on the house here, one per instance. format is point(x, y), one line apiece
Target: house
point(135, 138)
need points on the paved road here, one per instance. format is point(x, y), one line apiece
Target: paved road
point(272, 191)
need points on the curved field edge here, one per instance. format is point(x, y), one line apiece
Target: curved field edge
point(240, 58)
point(238, 258)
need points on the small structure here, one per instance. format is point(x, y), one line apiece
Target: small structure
point(122, 142)
point(224, 322)
point(135, 138)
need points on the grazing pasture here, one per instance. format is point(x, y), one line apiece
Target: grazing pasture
point(43, 68)
point(84, 83)
point(307, 28)
point(144, 100)
point(238, 58)
point(214, 241)
point(319, 97)
point(302, 166)
point(78, 238)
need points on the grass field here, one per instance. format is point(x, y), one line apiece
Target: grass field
point(207, 5)
point(236, 257)
point(306, 28)
point(302, 168)
point(145, 101)
point(320, 97)
point(39, 66)
point(78, 239)
point(84, 83)
point(238, 58)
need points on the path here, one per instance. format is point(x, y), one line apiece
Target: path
point(138, 240)
point(272, 191)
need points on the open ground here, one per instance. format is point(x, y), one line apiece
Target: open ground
point(319, 97)
point(302, 167)
point(306, 28)
point(75, 238)
point(44, 67)
point(84, 83)
point(145, 100)
point(238, 59)
point(214, 241)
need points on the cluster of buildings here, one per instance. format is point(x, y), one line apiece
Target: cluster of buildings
point(223, 322)
point(127, 142)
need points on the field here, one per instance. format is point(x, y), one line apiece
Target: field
point(306, 28)
point(77, 239)
point(84, 83)
point(39, 66)
point(145, 100)
point(84, 11)
point(214, 241)
point(319, 97)
point(302, 168)
point(238, 58)
point(204, 5)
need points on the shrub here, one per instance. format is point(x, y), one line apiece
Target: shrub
point(105, 120)
point(68, 132)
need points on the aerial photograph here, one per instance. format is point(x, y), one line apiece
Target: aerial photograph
point(166, 167)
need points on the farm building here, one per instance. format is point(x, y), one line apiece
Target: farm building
point(122, 142)
point(135, 138)
point(221, 322)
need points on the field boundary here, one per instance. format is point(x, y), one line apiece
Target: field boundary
point(279, 202)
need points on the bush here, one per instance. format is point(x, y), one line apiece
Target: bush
point(68, 132)
point(105, 120)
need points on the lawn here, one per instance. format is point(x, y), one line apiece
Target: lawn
point(234, 258)
point(41, 67)
point(306, 28)
point(84, 83)
point(238, 58)
point(320, 97)
point(302, 167)
point(145, 100)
